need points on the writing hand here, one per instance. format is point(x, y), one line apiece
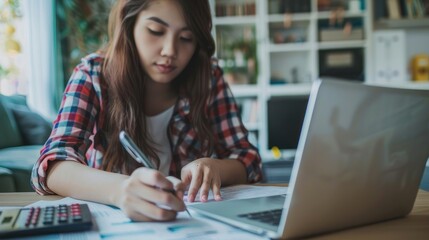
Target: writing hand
point(142, 197)
point(202, 175)
point(179, 186)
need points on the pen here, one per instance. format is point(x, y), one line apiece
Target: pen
point(140, 157)
point(134, 151)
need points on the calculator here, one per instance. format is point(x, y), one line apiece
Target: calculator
point(17, 222)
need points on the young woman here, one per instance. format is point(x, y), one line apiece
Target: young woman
point(156, 81)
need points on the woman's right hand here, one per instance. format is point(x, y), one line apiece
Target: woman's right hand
point(142, 198)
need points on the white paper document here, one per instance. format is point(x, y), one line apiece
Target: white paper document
point(243, 192)
point(111, 223)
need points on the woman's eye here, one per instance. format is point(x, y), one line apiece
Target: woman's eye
point(186, 39)
point(156, 33)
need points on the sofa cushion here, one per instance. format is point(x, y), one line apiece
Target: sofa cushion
point(34, 129)
point(20, 161)
point(17, 99)
point(10, 134)
point(7, 184)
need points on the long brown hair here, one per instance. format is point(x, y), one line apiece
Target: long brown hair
point(125, 78)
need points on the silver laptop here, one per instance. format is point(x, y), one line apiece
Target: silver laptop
point(360, 159)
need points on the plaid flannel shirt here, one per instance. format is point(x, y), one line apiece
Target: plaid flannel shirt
point(76, 134)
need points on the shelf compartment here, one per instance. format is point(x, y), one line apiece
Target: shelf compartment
point(236, 51)
point(347, 29)
point(297, 32)
point(289, 67)
point(342, 63)
point(285, 115)
point(248, 108)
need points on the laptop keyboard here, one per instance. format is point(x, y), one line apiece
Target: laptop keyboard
point(271, 217)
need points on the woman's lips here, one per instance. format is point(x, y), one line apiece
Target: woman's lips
point(165, 68)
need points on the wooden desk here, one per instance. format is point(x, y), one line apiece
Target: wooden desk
point(24, 198)
point(415, 226)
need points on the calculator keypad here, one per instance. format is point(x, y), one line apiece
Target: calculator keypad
point(61, 218)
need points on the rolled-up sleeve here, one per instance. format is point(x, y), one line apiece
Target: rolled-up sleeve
point(231, 134)
point(73, 128)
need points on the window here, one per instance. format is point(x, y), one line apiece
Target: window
point(13, 70)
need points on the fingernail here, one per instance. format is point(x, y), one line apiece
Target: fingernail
point(218, 198)
point(204, 198)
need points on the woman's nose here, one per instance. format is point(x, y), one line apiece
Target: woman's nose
point(169, 48)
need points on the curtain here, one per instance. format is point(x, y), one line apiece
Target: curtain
point(45, 87)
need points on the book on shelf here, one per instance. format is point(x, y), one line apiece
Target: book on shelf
point(248, 108)
point(223, 9)
point(393, 9)
point(409, 8)
point(295, 6)
point(426, 7)
point(419, 8)
point(253, 138)
point(413, 8)
point(295, 34)
point(380, 10)
point(398, 9)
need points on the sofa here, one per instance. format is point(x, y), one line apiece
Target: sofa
point(22, 134)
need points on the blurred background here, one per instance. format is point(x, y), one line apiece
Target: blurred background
point(42, 41)
point(270, 50)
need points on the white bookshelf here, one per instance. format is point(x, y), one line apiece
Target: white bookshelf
point(283, 58)
point(414, 36)
point(245, 90)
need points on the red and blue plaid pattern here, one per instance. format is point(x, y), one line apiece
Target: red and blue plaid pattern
point(77, 133)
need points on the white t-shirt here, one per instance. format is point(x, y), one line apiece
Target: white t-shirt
point(157, 127)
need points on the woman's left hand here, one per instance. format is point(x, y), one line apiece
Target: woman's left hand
point(202, 175)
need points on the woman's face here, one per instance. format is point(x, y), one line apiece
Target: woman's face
point(163, 40)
